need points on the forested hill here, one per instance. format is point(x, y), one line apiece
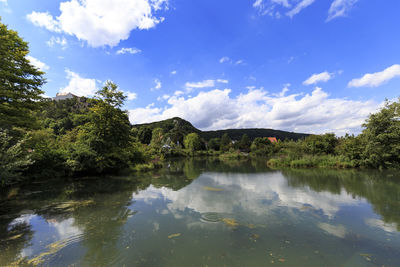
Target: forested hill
point(185, 127)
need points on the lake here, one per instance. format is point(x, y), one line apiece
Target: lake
point(205, 213)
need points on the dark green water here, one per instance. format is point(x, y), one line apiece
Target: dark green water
point(206, 213)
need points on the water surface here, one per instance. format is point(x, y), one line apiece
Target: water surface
point(205, 213)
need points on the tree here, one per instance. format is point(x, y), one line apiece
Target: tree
point(192, 142)
point(13, 159)
point(214, 144)
point(261, 147)
point(157, 138)
point(20, 82)
point(144, 135)
point(245, 143)
point(104, 143)
point(321, 144)
point(382, 134)
point(226, 142)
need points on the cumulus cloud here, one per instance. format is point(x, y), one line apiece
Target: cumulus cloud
point(128, 50)
point(340, 8)
point(377, 78)
point(217, 109)
point(44, 20)
point(254, 197)
point(174, 72)
point(79, 86)
point(101, 23)
point(318, 77)
point(37, 63)
point(57, 41)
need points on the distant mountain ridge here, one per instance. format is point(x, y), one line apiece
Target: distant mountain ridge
point(186, 127)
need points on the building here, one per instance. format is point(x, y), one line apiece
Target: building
point(63, 96)
point(272, 140)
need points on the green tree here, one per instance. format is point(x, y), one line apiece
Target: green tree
point(382, 134)
point(157, 138)
point(13, 159)
point(352, 147)
point(226, 142)
point(192, 142)
point(144, 135)
point(20, 82)
point(214, 144)
point(261, 147)
point(104, 143)
point(321, 144)
point(245, 143)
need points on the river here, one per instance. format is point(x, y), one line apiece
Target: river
point(205, 213)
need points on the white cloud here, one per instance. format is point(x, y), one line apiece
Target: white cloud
point(224, 59)
point(377, 78)
point(128, 50)
point(45, 20)
point(131, 95)
point(157, 86)
point(79, 86)
point(239, 62)
point(252, 195)
point(318, 77)
point(310, 113)
point(57, 40)
point(300, 6)
point(3, 1)
point(37, 63)
point(275, 8)
point(222, 81)
point(340, 8)
point(101, 23)
point(335, 230)
point(387, 227)
point(174, 72)
point(204, 84)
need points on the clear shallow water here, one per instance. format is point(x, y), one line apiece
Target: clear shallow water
point(199, 213)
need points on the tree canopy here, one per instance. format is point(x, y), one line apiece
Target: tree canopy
point(20, 82)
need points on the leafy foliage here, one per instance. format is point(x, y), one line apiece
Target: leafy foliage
point(20, 82)
point(192, 142)
point(382, 133)
point(13, 159)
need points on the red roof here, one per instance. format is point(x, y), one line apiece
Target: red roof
point(272, 139)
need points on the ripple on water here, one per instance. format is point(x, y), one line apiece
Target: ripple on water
point(210, 217)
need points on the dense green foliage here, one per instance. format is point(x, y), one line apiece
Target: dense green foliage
point(183, 127)
point(13, 160)
point(192, 142)
point(92, 136)
point(20, 82)
point(382, 135)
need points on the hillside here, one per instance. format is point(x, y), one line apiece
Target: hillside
point(186, 127)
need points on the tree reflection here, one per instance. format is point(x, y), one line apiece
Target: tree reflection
point(380, 188)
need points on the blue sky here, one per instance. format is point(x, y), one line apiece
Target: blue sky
point(300, 65)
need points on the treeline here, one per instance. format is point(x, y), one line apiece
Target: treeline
point(41, 137)
point(378, 146)
point(236, 134)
